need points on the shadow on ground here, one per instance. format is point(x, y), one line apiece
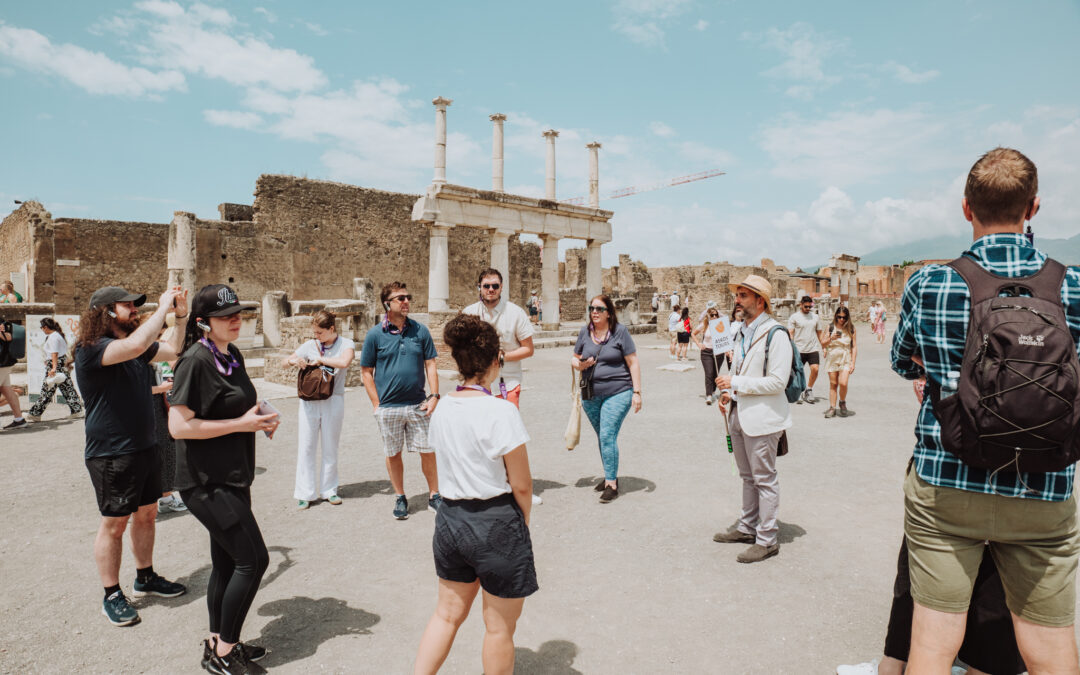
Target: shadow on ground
point(196, 581)
point(365, 489)
point(554, 657)
point(305, 623)
point(627, 484)
point(539, 485)
point(788, 533)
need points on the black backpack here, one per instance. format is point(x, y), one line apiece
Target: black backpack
point(1016, 405)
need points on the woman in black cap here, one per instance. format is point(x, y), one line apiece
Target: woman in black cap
point(214, 417)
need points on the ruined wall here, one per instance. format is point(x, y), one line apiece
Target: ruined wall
point(17, 241)
point(575, 267)
point(880, 279)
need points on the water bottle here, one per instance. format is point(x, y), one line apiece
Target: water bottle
point(951, 384)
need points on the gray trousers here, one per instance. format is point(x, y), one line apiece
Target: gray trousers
point(756, 458)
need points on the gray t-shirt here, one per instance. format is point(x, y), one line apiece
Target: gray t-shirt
point(806, 327)
point(611, 375)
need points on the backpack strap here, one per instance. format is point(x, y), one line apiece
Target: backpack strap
point(767, 341)
point(985, 285)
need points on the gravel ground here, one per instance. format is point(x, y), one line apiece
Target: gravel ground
point(636, 586)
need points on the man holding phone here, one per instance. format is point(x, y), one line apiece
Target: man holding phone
point(395, 360)
point(111, 355)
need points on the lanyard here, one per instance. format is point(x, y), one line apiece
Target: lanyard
point(323, 350)
point(225, 364)
point(474, 387)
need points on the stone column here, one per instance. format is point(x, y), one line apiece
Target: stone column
point(181, 261)
point(549, 281)
point(845, 278)
point(275, 307)
point(439, 268)
point(440, 104)
point(500, 255)
point(594, 174)
point(853, 284)
point(594, 279)
point(834, 283)
point(497, 156)
point(549, 166)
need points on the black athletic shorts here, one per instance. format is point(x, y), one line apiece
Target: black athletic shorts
point(813, 358)
point(485, 539)
point(683, 338)
point(125, 482)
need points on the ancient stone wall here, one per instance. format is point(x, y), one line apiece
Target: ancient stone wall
point(17, 241)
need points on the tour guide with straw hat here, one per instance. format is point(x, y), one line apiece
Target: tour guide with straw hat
point(757, 416)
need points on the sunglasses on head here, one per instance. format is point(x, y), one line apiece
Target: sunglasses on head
point(402, 298)
point(493, 287)
point(598, 308)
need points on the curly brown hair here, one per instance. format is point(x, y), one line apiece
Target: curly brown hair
point(94, 324)
point(473, 343)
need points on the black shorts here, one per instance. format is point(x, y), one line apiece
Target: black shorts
point(812, 358)
point(125, 482)
point(683, 337)
point(485, 539)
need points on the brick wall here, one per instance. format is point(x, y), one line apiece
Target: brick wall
point(17, 240)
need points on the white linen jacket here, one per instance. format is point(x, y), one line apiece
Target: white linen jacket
point(763, 407)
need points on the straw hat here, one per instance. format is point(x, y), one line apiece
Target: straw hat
point(759, 285)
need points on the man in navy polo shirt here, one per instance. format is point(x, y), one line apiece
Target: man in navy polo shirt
point(396, 358)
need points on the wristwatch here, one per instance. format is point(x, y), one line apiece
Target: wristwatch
point(432, 396)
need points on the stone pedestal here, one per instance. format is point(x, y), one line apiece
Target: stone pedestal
point(275, 307)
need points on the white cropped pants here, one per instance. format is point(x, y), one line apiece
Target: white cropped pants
point(319, 420)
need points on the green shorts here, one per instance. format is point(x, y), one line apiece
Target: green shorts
point(1034, 543)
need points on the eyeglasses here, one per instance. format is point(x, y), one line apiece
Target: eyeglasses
point(401, 298)
point(600, 308)
point(493, 287)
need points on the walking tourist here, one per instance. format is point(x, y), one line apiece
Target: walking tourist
point(759, 416)
point(807, 332)
point(955, 500)
point(395, 360)
point(56, 372)
point(877, 321)
point(841, 352)
point(607, 357)
point(481, 536)
point(682, 334)
point(321, 420)
point(673, 328)
point(214, 417)
point(7, 363)
point(534, 307)
point(113, 349)
point(709, 361)
point(675, 301)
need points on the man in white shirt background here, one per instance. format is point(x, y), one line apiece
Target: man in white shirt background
point(807, 330)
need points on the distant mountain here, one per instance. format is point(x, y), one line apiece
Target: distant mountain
point(947, 247)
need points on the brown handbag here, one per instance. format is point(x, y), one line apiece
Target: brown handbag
point(314, 383)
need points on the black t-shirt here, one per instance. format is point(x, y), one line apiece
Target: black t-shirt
point(6, 358)
point(119, 404)
point(225, 460)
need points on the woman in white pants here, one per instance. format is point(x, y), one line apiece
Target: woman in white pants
point(321, 420)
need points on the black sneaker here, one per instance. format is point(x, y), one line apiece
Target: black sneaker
point(251, 652)
point(159, 586)
point(235, 662)
point(118, 610)
point(401, 508)
point(15, 424)
point(610, 494)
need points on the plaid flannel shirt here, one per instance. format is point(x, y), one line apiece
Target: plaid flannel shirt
point(934, 318)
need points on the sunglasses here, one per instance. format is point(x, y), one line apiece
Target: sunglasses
point(493, 287)
point(401, 298)
point(601, 308)
point(842, 316)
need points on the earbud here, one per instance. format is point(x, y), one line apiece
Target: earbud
point(111, 313)
point(201, 325)
point(386, 305)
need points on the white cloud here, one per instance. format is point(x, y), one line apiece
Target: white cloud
point(701, 25)
point(907, 75)
point(267, 14)
point(92, 71)
point(316, 28)
point(662, 130)
point(233, 118)
point(643, 21)
point(806, 51)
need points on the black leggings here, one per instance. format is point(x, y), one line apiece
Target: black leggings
point(710, 363)
point(237, 552)
point(989, 641)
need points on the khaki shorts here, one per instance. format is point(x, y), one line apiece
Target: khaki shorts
point(1034, 544)
point(5, 376)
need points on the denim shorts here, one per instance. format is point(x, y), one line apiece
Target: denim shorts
point(485, 539)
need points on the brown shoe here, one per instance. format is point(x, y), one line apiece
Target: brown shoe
point(757, 553)
point(831, 412)
point(844, 412)
point(733, 537)
point(610, 494)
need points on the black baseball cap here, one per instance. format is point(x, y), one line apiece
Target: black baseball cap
point(215, 300)
point(111, 294)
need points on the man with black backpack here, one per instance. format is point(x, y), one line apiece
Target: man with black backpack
point(760, 415)
point(7, 362)
point(996, 335)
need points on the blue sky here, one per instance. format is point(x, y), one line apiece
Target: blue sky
point(842, 127)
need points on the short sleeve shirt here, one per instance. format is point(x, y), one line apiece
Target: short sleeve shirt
point(806, 327)
point(55, 344)
point(673, 322)
point(611, 375)
point(470, 435)
point(513, 325)
point(119, 405)
point(310, 351)
point(398, 360)
point(225, 460)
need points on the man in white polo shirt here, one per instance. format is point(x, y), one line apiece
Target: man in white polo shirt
point(515, 335)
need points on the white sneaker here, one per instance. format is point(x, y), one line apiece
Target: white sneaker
point(537, 500)
point(171, 503)
point(868, 668)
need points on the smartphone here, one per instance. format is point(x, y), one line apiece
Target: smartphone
point(266, 409)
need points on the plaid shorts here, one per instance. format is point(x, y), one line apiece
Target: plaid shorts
point(403, 426)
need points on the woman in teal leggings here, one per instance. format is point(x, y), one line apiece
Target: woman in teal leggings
point(606, 353)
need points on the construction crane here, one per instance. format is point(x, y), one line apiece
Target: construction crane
point(633, 189)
